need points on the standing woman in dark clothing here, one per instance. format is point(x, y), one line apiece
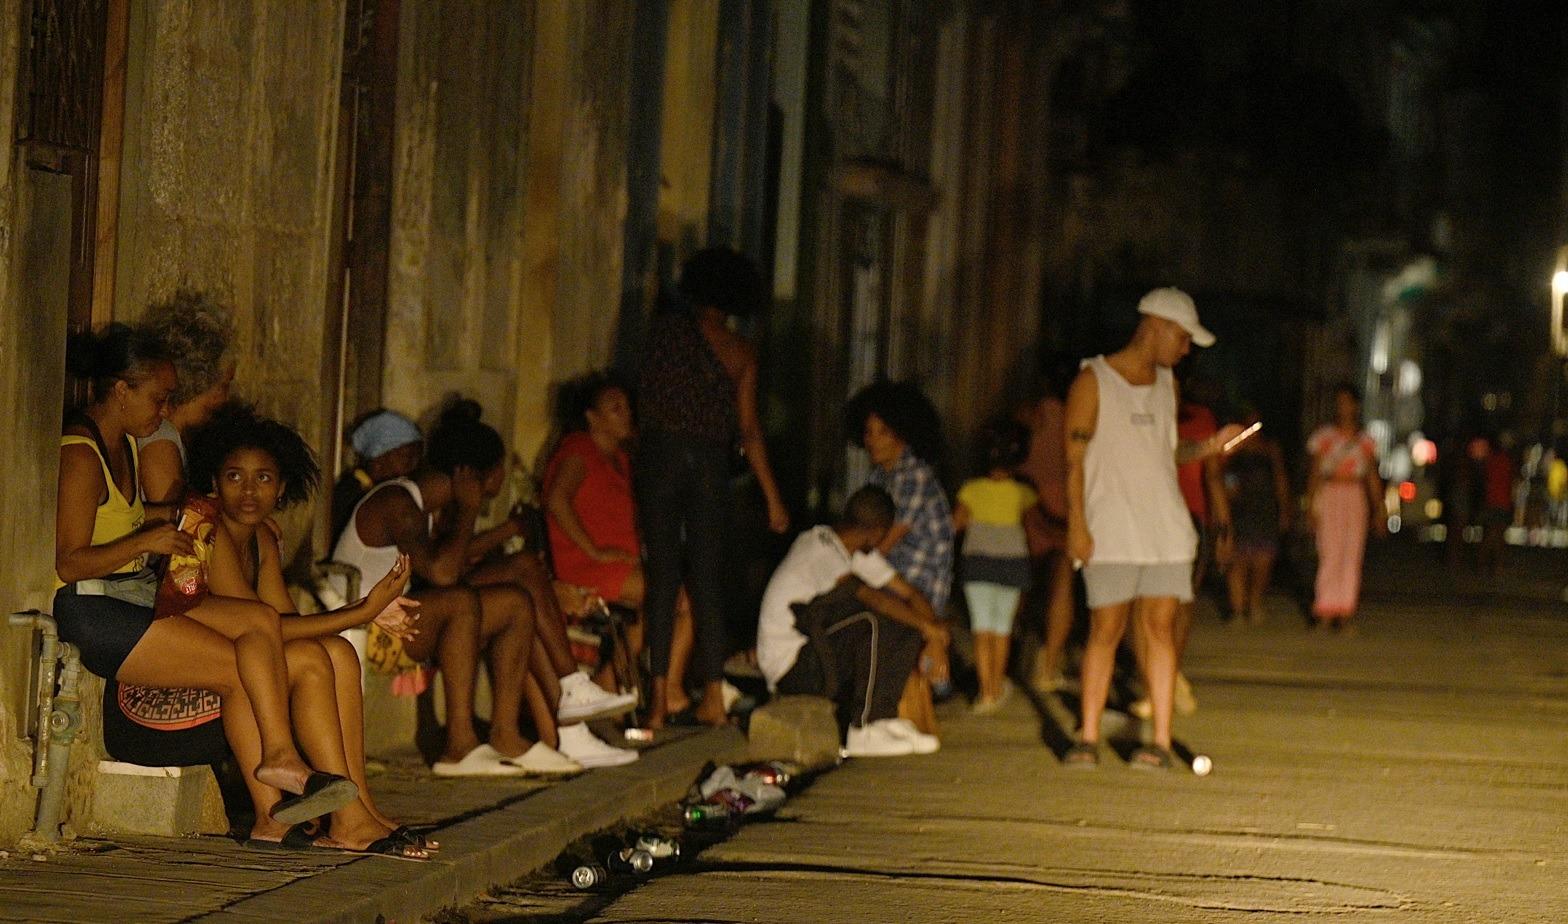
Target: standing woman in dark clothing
point(697, 392)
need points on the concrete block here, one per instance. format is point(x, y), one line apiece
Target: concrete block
point(391, 722)
point(163, 801)
point(802, 729)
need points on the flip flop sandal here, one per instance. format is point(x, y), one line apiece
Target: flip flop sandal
point(296, 838)
point(1082, 756)
point(1150, 758)
point(393, 848)
point(324, 793)
point(410, 836)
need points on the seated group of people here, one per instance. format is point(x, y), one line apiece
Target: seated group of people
point(170, 581)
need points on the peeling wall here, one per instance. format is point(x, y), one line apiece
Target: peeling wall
point(509, 203)
point(35, 226)
point(227, 160)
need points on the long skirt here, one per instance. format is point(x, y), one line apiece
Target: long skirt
point(1342, 542)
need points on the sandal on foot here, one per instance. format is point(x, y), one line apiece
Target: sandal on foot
point(324, 793)
point(410, 836)
point(1149, 757)
point(393, 848)
point(296, 838)
point(1082, 756)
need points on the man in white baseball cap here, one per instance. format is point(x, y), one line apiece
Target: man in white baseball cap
point(1127, 526)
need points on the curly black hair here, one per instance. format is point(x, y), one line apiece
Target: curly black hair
point(461, 439)
point(906, 411)
point(236, 426)
point(1003, 444)
point(117, 352)
point(581, 395)
point(725, 279)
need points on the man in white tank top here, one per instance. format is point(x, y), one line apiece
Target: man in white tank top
point(1127, 526)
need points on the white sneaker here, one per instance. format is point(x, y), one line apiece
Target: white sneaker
point(919, 740)
point(875, 740)
point(581, 745)
point(543, 760)
point(582, 699)
point(483, 760)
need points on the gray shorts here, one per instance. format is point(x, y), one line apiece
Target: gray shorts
point(1110, 583)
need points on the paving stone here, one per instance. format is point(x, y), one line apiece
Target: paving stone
point(802, 729)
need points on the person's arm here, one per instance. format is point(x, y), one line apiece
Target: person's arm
point(907, 610)
point(1219, 509)
point(1083, 410)
point(752, 441)
point(484, 543)
point(440, 560)
point(75, 557)
point(1314, 482)
point(1374, 486)
point(273, 590)
point(162, 473)
point(558, 501)
point(961, 517)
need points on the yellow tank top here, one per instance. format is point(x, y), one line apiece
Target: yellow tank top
point(115, 517)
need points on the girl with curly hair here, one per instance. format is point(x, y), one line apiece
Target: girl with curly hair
point(244, 468)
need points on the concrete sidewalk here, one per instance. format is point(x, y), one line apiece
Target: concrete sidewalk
point(491, 832)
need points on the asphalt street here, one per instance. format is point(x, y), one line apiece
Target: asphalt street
point(1415, 771)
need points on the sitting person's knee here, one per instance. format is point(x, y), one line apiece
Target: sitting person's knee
point(306, 657)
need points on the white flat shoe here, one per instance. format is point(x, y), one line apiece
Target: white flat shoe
point(582, 699)
point(543, 760)
point(483, 760)
point(581, 745)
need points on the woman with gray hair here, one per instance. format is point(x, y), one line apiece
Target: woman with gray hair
point(195, 331)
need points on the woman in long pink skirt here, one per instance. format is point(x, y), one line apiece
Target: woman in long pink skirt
point(1344, 493)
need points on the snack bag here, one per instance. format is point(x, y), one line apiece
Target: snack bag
point(184, 581)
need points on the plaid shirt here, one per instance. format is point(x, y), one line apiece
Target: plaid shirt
point(925, 555)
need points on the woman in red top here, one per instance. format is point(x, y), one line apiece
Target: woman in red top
point(592, 515)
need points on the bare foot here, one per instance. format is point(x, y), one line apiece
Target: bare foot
point(361, 836)
point(287, 774)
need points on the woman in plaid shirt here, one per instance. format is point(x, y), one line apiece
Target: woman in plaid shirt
point(898, 428)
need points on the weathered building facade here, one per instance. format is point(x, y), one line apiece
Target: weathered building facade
point(406, 199)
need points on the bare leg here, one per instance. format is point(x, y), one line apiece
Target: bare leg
point(179, 651)
point(449, 633)
point(540, 708)
point(1262, 568)
point(1106, 626)
point(529, 574)
point(683, 641)
point(313, 700)
point(252, 626)
point(506, 631)
point(1237, 580)
point(348, 686)
point(1058, 620)
point(1158, 618)
point(985, 666)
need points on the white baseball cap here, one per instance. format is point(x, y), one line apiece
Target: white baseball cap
point(1173, 304)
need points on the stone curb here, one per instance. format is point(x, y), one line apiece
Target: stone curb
point(495, 847)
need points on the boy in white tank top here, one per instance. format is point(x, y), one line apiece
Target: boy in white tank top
point(1127, 526)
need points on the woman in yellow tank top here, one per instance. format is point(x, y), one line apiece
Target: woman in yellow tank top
point(100, 532)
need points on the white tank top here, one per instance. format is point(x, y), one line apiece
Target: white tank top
point(373, 562)
point(1132, 503)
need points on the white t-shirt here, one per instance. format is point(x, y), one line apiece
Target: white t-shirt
point(816, 562)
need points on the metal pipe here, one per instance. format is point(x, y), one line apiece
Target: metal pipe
point(64, 722)
point(43, 693)
point(59, 719)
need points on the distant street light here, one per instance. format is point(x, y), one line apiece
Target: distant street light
point(1559, 292)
